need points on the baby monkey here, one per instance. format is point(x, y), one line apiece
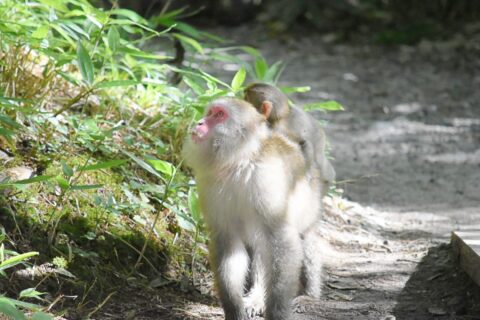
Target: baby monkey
point(297, 125)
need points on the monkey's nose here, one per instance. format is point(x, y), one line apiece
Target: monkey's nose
point(201, 122)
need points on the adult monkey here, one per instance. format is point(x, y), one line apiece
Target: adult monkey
point(296, 124)
point(258, 196)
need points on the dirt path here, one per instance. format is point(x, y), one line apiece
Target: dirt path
point(408, 146)
point(407, 155)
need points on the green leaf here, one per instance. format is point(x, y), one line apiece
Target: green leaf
point(9, 121)
point(116, 83)
point(33, 180)
point(133, 16)
point(63, 34)
point(327, 105)
point(194, 206)
point(274, 72)
point(85, 63)
point(63, 183)
point(185, 221)
point(195, 86)
point(94, 21)
point(41, 316)
point(24, 182)
point(251, 51)
point(11, 102)
point(73, 30)
point(13, 261)
point(162, 166)
point(288, 90)
point(67, 171)
point(41, 32)
point(18, 303)
point(133, 27)
point(143, 164)
point(101, 16)
point(70, 78)
point(104, 165)
point(113, 37)
point(9, 310)
point(239, 79)
point(211, 78)
point(86, 186)
point(141, 54)
point(188, 30)
point(261, 68)
point(6, 133)
point(166, 18)
point(30, 293)
point(56, 4)
point(190, 41)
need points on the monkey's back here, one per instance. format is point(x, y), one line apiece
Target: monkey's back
point(305, 130)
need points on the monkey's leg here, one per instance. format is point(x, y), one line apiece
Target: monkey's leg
point(284, 279)
point(312, 263)
point(230, 262)
point(255, 298)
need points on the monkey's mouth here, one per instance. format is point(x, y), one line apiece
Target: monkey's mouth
point(199, 133)
point(198, 137)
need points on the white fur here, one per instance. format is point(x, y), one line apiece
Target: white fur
point(236, 188)
point(237, 263)
point(304, 201)
point(246, 197)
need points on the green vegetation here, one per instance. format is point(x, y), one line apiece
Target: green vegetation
point(10, 306)
point(91, 125)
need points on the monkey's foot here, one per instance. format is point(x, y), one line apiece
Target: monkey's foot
point(254, 303)
point(304, 304)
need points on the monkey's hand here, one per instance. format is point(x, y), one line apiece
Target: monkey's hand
point(254, 303)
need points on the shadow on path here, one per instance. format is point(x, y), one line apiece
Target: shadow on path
point(438, 289)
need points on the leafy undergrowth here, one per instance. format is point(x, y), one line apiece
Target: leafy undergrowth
point(92, 194)
point(90, 132)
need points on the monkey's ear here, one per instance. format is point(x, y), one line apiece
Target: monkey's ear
point(266, 108)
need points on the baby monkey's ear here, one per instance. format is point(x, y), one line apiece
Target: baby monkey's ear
point(266, 108)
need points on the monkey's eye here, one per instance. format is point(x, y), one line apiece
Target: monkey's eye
point(219, 114)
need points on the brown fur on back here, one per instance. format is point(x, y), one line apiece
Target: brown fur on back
point(277, 145)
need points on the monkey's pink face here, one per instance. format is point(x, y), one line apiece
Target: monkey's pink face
point(216, 114)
